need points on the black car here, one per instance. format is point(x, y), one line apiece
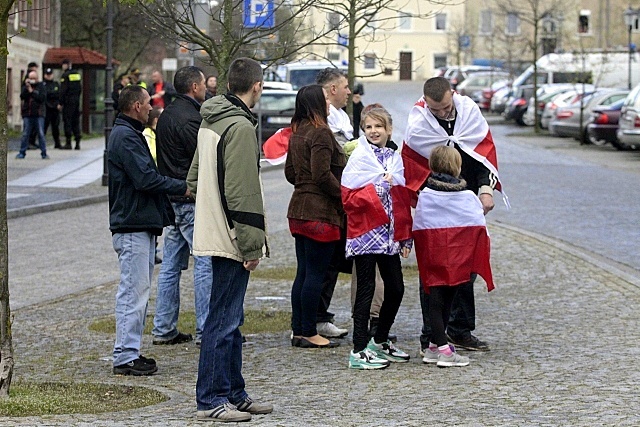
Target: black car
point(274, 111)
point(518, 103)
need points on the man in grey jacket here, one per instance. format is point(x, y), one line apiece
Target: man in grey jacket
point(230, 228)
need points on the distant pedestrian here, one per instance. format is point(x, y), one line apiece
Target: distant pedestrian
point(212, 86)
point(378, 230)
point(230, 228)
point(316, 218)
point(452, 243)
point(150, 131)
point(70, 91)
point(52, 116)
point(121, 83)
point(137, 214)
point(33, 106)
point(135, 78)
point(177, 129)
point(162, 92)
point(356, 99)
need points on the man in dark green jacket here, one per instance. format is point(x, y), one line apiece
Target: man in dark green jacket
point(138, 211)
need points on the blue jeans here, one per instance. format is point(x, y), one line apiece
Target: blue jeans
point(313, 261)
point(28, 124)
point(178, 244)
point(462, 320)
point(136, 253)
point(220, 368)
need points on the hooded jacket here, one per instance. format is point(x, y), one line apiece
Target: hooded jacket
point(225, 178)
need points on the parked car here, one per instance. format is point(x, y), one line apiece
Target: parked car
point(629, 124)
point(475, 85)
point(457, 75)
point(499, 99)
point(517, 104)
point(603, 124)
point(274, 110)
point(550, 108)
point(567, 121)
point(545, 95)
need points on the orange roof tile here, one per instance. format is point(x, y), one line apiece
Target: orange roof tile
point(79, 56)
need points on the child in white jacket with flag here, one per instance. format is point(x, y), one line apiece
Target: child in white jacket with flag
point(378, 230)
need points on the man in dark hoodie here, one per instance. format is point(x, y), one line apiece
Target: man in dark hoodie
point(230, 228)
point(177, 139)
point(138, 210)
point(33, 96)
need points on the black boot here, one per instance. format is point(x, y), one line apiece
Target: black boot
point(77, 144)
point(57, 145)
point(67, 146)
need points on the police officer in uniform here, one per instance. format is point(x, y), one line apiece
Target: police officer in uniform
point(52, 89)
point(70, 90)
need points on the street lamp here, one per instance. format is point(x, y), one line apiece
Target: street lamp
point(630, 18)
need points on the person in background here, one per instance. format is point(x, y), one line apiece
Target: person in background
point(229, 228)
point(316, 219)
point(150, 131)
point(52, 117)
point(161, 92)
point(135, 78)
point(356, 98)
point(137, 213)
point(212, 86)
point(70, 90)
point(33, 97)
point(32, 66)
point(121, 83)
point(178, 128)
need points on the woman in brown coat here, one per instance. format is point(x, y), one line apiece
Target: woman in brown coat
point(314, 166)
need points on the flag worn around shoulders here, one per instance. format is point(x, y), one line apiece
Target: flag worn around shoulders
point(275, 148)
point(424, 133)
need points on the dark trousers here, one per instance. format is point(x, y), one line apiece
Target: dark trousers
point(391, 273)
point(53, 118)
point(329, 284)
point(440, 300)
point(71, 118)
point(463, 313)
point(313, 259)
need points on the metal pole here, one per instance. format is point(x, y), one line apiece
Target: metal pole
point(629, 45)
point(108, 85)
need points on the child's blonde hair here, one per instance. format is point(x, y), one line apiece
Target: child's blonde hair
point(445, 159)
point(376, 112)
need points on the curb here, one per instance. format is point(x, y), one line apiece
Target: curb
point(56, 206)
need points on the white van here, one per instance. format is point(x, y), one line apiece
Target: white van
point(304, 73)
point(599, 69)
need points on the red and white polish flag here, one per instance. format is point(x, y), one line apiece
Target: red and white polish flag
point(451, 238)
point(275, 148)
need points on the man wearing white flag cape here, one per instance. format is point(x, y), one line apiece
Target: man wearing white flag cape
point(442, 117)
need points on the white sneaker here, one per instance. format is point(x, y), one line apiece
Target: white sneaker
point(429, 356)
point(454, 360)
point(329, 330)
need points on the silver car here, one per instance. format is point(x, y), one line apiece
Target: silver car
point(629, 124)
point(569, 122)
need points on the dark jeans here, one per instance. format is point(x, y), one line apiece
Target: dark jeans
point(220, 369)
point(463, 313)
point(313, 260)
point(440, 300)
point(53, 118)
point(391, 273)
point(329, 284)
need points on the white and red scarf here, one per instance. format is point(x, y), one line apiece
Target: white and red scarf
point(361, 203)
point(471, 133)
point(276, 146)
point(451, 238)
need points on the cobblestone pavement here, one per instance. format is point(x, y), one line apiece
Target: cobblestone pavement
point(564, 352)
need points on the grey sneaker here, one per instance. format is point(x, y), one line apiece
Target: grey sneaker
point(454, 360)
point(225, 413)
point(329, 330)
point(429, 356)
point(253, 407)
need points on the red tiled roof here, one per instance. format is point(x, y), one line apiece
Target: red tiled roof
point(79, 56)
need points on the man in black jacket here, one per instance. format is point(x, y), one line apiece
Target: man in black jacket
point(52, 117)
point(70, 90)
point(177, 138)
point(33, 98)
point(138, 210)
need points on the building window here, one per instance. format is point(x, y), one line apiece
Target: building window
point(513, 24)
point(583, 22)
point(334, 20)
point(439, 60)
point(441, 21)
point(333, 56)
point(46, 9)
point(23, 12)
point(486, 22)
point(404, 21)
point(369, 61)
point(35, 14)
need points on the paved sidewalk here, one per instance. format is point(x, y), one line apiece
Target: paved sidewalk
point(564, 331)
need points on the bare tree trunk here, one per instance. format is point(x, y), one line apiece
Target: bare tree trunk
point(6, 345)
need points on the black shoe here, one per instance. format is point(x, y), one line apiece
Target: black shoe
point(468, 342)
point(147, 360)
point(178, 339)
point(373, 328)
point(77, 145)
point(66, 147)
point(135, 367)
point(58, 146)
